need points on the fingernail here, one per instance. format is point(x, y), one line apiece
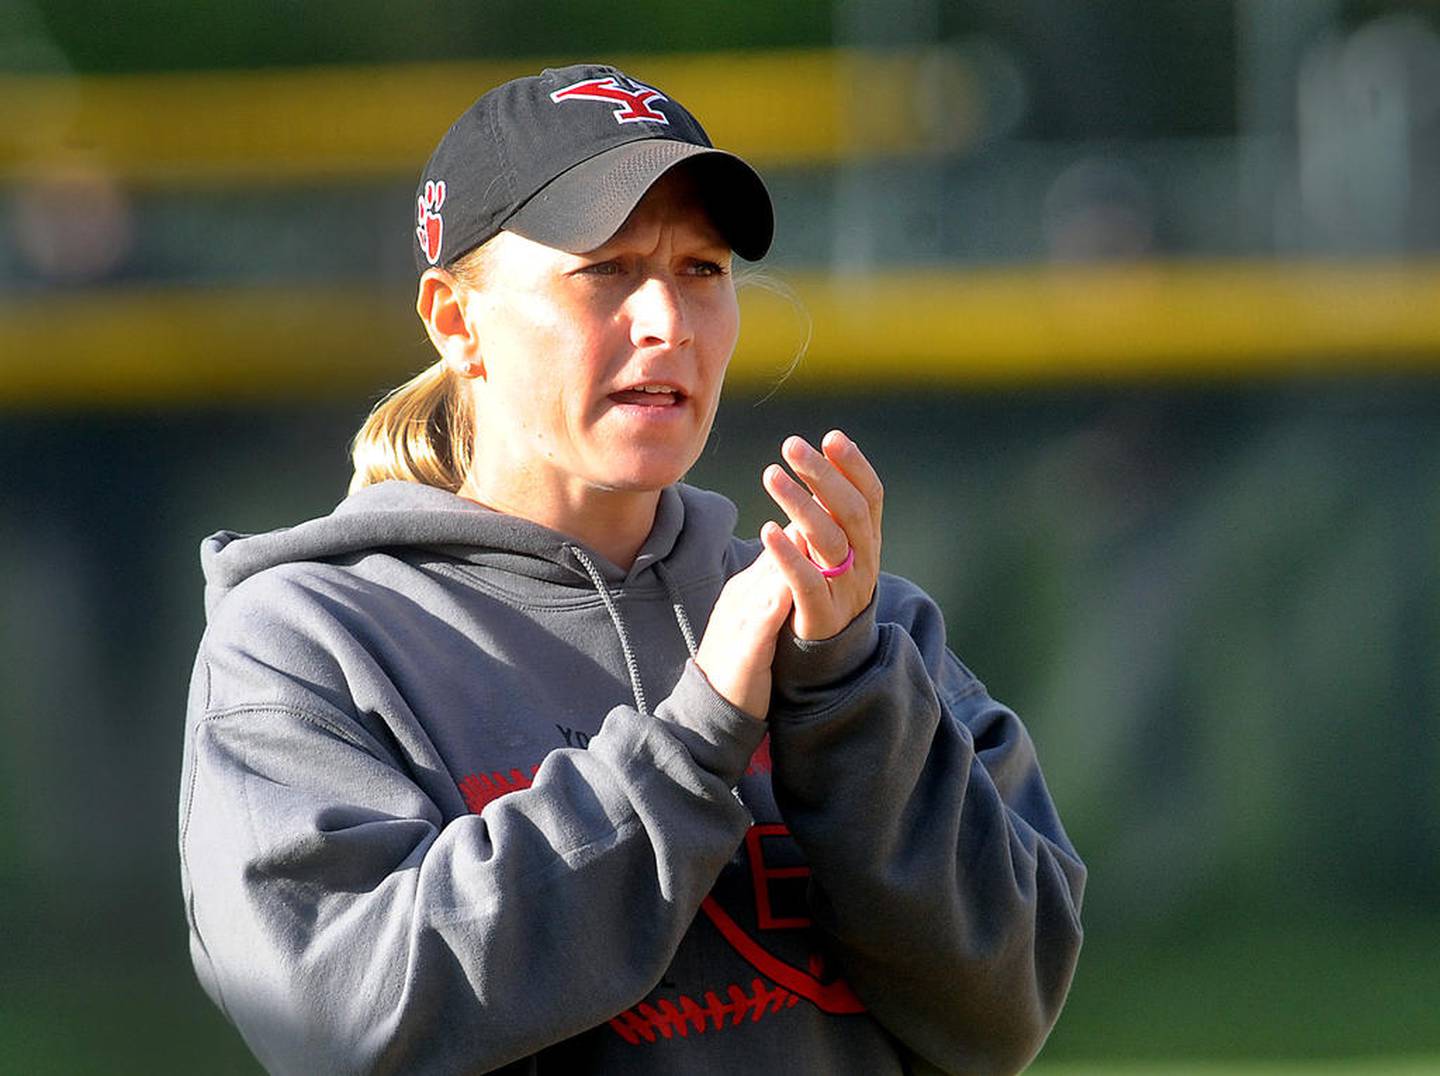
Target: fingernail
point(801, 447)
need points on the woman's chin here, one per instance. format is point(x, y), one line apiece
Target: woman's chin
point(642, 476)
point(638, 469)
point(645, 482)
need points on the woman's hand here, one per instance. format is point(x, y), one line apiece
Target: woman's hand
point(837, 510)
point(738, 647)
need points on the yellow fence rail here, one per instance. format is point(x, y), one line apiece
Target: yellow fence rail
point(955, 330)
point(780, 107)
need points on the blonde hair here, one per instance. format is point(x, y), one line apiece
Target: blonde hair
point(424, 430)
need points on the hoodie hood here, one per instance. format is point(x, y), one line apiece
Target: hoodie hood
point(692, 529)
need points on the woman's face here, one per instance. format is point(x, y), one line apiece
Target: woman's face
point(601, 371)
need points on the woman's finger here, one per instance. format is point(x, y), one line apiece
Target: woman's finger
point(823, 535)
point(845, 454)
point(797, 538)
point(814, 612)
point(738, 646)
point(832, 488)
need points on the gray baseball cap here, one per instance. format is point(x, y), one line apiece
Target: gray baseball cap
point(564, 156)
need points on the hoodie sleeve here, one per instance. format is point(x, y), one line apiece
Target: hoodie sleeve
point(344, 924)
point(939, 866)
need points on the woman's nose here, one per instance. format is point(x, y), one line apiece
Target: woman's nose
point(657, 314)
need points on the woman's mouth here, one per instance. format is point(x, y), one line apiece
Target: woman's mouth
point(657, 394)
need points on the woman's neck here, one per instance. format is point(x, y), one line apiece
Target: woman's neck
point(614, 523)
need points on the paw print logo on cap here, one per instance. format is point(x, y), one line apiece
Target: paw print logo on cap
point(429, 227)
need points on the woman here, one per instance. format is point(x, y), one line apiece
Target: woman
point(463, 791)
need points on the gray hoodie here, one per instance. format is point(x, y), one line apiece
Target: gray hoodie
point(457, 799)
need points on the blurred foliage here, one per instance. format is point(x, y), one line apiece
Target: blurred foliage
point(1127, 68)
point(152, 35)
point(1217, 611)
point(1123, 69)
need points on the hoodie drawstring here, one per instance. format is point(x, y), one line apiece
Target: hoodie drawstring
point(632, 664)
point(678, 607)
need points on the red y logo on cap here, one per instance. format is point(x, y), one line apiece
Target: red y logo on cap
point(429, 228)
point(636, 106)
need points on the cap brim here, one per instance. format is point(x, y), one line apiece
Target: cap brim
point(584, 206)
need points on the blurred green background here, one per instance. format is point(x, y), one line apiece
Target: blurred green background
point(1136, 304)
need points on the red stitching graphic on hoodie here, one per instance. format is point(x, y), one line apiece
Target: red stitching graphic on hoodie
point(645, 1021)
point(479, 788)
point(832, 997)
point(666, 1019)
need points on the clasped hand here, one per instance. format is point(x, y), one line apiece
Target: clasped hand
point(833, 508)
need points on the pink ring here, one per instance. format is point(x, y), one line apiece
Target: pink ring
point(839, 569)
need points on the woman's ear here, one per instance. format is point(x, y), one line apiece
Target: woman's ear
point(441, 303)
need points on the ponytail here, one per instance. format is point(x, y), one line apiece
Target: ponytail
point(423, 431)
point(420, 432)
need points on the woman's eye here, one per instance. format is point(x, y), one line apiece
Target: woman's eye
point(704, 268)
point(601, 269)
